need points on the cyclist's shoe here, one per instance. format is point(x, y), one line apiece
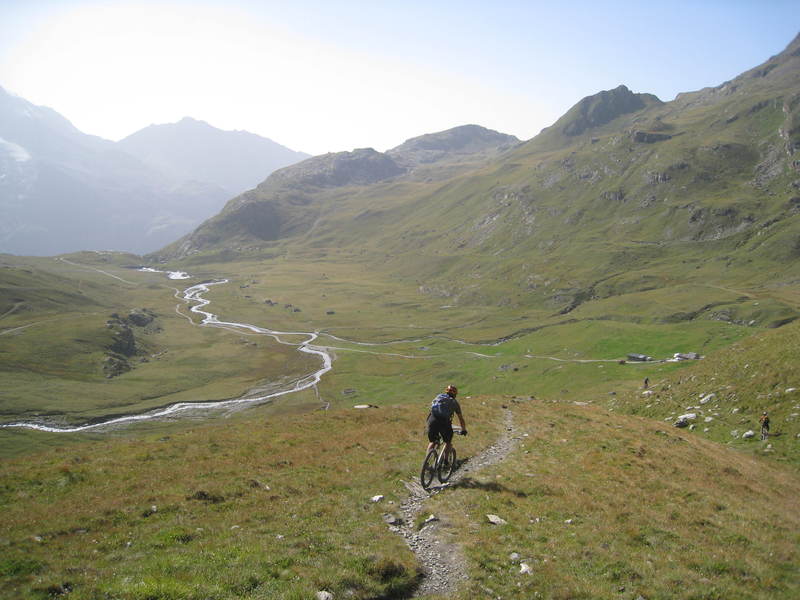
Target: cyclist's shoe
point(463, 432)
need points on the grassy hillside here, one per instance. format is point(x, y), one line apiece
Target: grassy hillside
point(600, 506)
point(281, 508)
point(622, 194)
point(729, 390)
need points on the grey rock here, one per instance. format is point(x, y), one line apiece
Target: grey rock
point(390, 519)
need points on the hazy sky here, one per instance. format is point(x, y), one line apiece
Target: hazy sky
point(334, 75)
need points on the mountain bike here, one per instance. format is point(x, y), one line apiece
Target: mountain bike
point(438, 462)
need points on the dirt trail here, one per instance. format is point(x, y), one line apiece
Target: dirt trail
point(442, 561)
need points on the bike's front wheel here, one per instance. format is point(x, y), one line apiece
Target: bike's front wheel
point(447, 465)
point(428, 469)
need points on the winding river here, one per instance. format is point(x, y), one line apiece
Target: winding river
point(194, 295)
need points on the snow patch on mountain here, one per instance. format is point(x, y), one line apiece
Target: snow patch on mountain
point(17, 152)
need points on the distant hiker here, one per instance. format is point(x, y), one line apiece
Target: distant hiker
point(646, 382)
point(440, 418)
point(764, 420)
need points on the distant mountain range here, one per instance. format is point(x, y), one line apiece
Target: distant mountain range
point(623, 193)
point(194, 150)
point(62, 190)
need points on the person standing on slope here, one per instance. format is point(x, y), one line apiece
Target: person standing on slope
point(440, 418)
point(764, 420)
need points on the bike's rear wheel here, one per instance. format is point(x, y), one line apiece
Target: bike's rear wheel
point(428, 469)
point(447, 465)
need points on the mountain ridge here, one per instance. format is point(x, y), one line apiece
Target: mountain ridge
point(636, 191)
point(62, 190)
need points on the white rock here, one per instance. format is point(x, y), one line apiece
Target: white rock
point(569, 521)
point(748, 434)
point(706, 430)
point(525, 569)
point(377, 498)
point(790, 390)
point(496, 520)
point(734, 411)
point(430, 519)
point(708, 419)
point(514, 556)
point(735, 433)
point(687, 417)
point(323, 595)
point(769, 446)
point(707, 398)
point(647, 393)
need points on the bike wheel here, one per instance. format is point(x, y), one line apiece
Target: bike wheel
point(428, 469)
point(447, 465)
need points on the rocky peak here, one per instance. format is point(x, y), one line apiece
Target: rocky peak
point(458, 141)
point(601, 108)
point(362, 166)
point(793, 49)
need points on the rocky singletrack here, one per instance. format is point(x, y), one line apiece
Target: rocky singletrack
point(443, 565)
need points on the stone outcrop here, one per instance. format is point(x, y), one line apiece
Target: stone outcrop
point(124, 344)
point(649, 137)
point(453, 143)
point(363, 166)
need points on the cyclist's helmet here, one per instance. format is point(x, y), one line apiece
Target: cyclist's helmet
point(451, 389)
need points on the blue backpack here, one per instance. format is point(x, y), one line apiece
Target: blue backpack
point(443, 406)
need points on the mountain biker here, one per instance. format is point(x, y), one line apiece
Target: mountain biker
point(440, 418)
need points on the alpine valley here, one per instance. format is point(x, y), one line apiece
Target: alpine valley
point(617, 300)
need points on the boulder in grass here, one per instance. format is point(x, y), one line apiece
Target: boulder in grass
point(495, 520)
point(748, 434)
point(707, 398)
point(684, 420)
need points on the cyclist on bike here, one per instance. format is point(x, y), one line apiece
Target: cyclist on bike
point(440, 418)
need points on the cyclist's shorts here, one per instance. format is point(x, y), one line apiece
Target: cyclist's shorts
point(439, 427)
